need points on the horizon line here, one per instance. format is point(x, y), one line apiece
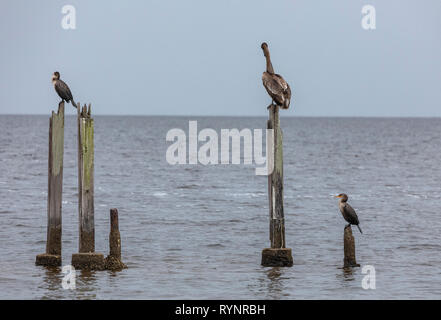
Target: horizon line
point(226, 116)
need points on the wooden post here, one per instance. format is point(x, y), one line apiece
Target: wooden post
point(114, 236)
point(85, 183)
point(52, 257)
point(86, 258)
point(278, 255)
point(113, 260)
point(349, 248)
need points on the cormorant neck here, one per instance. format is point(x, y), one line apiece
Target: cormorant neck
point(269, 65)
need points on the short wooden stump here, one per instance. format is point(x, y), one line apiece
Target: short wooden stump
point(279, 257)
point(48, 260)
point(88, 261)
point(349, 249)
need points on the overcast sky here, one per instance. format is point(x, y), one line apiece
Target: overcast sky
point(203, 57)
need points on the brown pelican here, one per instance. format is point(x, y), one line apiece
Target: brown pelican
point(62, 89)
point(274, 84)
point(347, 211)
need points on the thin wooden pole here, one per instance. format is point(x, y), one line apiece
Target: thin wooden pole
point(277, 214)
point(114, 236)
point(278, 254)
point(55, 190)
point(270, 194)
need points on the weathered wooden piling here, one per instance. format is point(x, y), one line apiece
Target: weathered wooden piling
point(87, 258)
point(113, 260)
point(349, 248)
point(85, 181)
point(52, 257)
point(114, 236)
point(278, 255)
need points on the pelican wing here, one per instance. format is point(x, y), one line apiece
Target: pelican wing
point(286, 90)
point(273, 87)
point(271, 84)
point(282, 83)
point(287, 96)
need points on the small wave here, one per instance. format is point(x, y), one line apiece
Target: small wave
point(160, 194)
point(215, 245)
point(416, 196)
point(37, 174)
point(246, 194)
point(423, 246)
point(188, 186)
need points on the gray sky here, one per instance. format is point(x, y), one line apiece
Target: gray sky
point(203, 57)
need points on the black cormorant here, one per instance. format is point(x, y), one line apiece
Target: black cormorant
point(347, 211)
point(62, 89)
point(274, 84)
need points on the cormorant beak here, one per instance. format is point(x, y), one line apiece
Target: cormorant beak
point(337, 196)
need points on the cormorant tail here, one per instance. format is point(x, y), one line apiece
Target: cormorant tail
point(73, 103)
point(359, 228)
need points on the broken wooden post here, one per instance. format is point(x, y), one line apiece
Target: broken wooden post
point(113, 260)
point(349, 248)
point(52, 257)
point(87, 258)
point(278, 255)
point(114, 236)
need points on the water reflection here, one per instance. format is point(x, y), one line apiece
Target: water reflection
point(52, 282)
point(275, 285)
point(86, 284)
point(346, 275)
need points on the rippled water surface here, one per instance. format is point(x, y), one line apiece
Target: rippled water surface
point(194, 231)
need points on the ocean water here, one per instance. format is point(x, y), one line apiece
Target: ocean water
point(197, 232)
